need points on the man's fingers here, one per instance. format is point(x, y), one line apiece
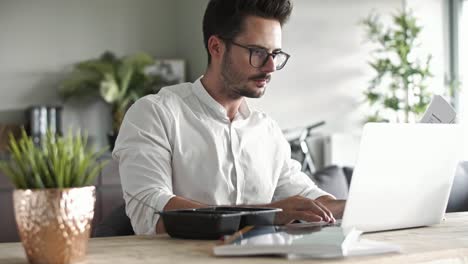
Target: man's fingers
point(313, 206)
point(327, 211)
point(301, 208)
point(305, 216)
point(289, 216)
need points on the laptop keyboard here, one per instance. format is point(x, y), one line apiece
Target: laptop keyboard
point(321, 224)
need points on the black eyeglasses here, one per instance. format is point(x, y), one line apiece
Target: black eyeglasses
point(259, 56)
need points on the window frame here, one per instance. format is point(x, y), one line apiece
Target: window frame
point(453, 76)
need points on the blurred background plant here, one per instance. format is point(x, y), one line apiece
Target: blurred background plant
point(398, 92)
point(58, 162)
point(118, 81)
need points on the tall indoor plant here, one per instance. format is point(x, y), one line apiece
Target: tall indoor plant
point(398, 92)
point(118, 81)
point(54, 200)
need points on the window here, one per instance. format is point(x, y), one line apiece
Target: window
point(463, 71)
point(463, 57)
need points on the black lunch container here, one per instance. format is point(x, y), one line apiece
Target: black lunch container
point(214, 222)
point(255, 216)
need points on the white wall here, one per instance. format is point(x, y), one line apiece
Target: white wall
point(327, 73)
point(40, 40)
point(324, 79)
point(189, 18)
point(433, 17)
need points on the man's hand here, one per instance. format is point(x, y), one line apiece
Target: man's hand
point(335, 206)
point(174, 203)
point(301, 208)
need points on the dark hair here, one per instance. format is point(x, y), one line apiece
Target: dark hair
point(225, 17)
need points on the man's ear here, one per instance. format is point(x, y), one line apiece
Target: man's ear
point(216, 47)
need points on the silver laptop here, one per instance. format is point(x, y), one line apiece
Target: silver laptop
point(403, 176)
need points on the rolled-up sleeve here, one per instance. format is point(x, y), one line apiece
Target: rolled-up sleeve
point(292, 181)
point(144, 154)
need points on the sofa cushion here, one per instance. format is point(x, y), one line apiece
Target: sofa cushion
point(458, 200)
point(332, 180)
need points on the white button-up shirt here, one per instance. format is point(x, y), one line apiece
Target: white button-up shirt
point(181, 142)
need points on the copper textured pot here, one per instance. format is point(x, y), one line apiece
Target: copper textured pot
point(54, 224)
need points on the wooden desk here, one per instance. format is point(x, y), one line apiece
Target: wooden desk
point(444, 243)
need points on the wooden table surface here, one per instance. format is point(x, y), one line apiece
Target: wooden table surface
point(443, 243)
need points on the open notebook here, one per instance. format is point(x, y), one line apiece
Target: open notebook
point(300, 241)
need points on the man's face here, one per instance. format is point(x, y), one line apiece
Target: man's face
point(239, 76)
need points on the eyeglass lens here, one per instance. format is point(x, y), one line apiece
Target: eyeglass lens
point(259, 58)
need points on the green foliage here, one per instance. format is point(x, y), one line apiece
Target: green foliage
point(118, 81)
point(60, 162)
point(399, 82)
point(376, 118)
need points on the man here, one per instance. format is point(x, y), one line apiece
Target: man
point(199, 144)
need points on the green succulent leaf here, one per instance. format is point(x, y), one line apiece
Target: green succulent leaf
point(96, 65)
point(373, 97)
point(116, 80)
point(109, 89)
point(139, 61)
point(59, 162)
point(392, 103)
point(125, 72)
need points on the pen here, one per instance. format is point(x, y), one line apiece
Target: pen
point(237, 235)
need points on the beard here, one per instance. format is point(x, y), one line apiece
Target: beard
point(236, 83)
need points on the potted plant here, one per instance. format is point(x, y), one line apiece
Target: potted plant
point(54, 200)
point(398, 92)
point(118, 81)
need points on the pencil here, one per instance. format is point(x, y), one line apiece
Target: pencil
point(237, 235)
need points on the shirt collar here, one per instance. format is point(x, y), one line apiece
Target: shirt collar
point(244, 109)
point(200, 91)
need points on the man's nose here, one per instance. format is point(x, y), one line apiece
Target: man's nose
point(269, 65)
